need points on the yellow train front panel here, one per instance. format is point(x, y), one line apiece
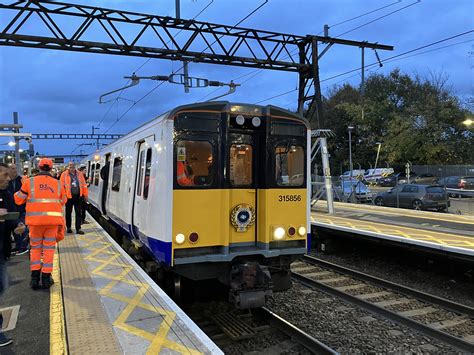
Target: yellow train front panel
point(216, 225)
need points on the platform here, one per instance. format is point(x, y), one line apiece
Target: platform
point(440, 232)
point(102, 303)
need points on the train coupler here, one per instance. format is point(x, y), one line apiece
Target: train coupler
point(250, 285)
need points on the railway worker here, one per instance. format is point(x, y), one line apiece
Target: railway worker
point(44, 198)
point(75, 185)
point(82, 169)
point(184, 173)
point(21, 240)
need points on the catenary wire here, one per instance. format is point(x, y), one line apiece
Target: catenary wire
point(161, 83)
point(400, 56)
point(379, 18)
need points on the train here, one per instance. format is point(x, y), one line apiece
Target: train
point(212, 190)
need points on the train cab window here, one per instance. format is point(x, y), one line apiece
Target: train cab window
point(117, 174)
point(289, 169)
point(194, 163)
point(146, 180)
point(96, 175)
point(241, 157)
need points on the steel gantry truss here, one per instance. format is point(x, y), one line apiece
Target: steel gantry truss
point(91, 29)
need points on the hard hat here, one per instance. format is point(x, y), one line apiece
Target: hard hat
point(45, 162)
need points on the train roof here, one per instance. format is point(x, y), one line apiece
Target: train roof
point(222, 106)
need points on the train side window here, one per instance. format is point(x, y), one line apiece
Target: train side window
point(146, 180)
point(289, 168)
point(241, 158)
point(194, 163)
point(141, 167)
point(117, 174)
point(96, 175)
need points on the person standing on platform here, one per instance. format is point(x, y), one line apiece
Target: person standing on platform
point(82, 169)
point(6, 227)
point(75, 185)
point(21, 240)
point(44, 197)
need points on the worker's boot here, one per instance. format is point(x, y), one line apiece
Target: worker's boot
point(35, 279)
point(46, 280)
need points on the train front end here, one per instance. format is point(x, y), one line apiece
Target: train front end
point(240, 196)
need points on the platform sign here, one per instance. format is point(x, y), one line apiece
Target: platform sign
point(59, 160)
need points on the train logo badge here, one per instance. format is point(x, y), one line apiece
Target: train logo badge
point(242, 217)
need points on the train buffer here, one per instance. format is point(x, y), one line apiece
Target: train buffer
point(439, 233)
point(102, 302)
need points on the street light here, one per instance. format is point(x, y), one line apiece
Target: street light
point(350, 128)
point(468, 122)
point(378, 152)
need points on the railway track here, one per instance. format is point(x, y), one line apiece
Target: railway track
point(229, 327)
point(439, 318)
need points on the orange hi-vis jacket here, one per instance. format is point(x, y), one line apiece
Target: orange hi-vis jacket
point(66, 182)
point(44, 197)
point(182, 175)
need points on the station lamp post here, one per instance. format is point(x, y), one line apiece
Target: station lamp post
point(350, 128)
point(378, 153)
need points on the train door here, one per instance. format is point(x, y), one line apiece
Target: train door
point(243, 156)
point(141, 202)
point(104, 174)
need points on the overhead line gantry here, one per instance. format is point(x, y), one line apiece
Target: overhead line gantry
point(200, 42)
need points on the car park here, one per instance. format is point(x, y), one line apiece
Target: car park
point(416, 196)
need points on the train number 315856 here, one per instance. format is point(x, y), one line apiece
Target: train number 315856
point(289, 198)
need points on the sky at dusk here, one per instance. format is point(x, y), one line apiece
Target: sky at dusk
point(58, 91)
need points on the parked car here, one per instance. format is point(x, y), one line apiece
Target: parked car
point(402, 178)
point(356, 174)
point(416, 196)
point(389, 181)
point(457, 182)
point(425, 179)
point(362, 192)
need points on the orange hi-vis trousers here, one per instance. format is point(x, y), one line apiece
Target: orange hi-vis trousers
point(43, 242)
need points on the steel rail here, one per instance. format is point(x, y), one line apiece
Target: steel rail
point(422, 296)
point(393, 316)
point(298, 335)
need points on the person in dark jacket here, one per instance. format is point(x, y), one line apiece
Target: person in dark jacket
point(6, 228)
point(21, 240)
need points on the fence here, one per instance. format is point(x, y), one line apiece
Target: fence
point(444, 170)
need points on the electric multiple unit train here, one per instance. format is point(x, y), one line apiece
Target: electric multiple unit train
point(212, 190)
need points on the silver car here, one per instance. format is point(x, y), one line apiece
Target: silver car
point(418, 197)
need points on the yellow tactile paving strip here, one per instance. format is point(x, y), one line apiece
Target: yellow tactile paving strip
point(143, 321)
point(87, 326)
point(388, 211)
point(57, 331)
point(445, 241)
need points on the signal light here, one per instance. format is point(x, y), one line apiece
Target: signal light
point(291, 231)
point(193, 237)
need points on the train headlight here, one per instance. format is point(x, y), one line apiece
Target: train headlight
point(256, 121)
point(193, 237)
point(291, 231)
point(302, 231)
point(240, 120)
point(279, 233)
point(180, 238)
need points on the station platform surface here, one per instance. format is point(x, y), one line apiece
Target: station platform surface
point(443, 232)
point(102, 302)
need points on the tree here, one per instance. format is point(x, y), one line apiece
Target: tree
point(417, 119)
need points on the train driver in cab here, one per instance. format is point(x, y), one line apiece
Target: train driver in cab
point(184, 173)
